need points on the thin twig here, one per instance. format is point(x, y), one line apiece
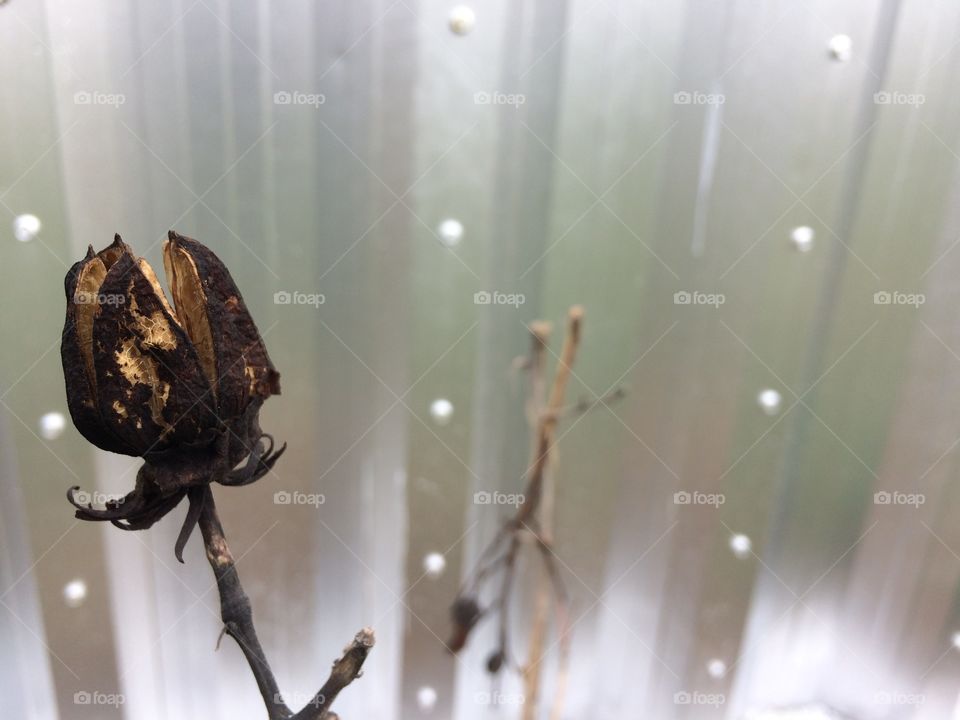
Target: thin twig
point(346, 669)
point(585, 405)
point(548, 419)
point(510, 566)
point(563, 626)
point(237, 616)
point(541, 487)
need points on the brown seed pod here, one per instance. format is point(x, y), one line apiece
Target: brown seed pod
point(180, 386)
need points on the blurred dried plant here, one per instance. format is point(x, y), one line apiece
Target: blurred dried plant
point(531, 524)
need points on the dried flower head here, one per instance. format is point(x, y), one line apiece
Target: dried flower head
point(179, 385)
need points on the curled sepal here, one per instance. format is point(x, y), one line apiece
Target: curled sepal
point(137, 510)
point(115, 509)
point(258, 464)
point(196, 497)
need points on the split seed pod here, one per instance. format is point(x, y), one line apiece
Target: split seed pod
point(179, 385)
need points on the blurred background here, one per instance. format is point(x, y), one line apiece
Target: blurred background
point(757, 204)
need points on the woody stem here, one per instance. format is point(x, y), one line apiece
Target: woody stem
point(235, 609)
point(237, 616)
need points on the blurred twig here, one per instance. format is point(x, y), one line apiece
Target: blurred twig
point(532, 521)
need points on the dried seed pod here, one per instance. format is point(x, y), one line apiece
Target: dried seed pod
point(181, 387)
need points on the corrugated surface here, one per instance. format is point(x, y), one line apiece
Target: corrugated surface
point(605, 153)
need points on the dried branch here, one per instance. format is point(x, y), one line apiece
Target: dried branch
point(237, 616)
point(346, 669)
point(533, 520)
point(546, 423)
point(584, 405)
point(548, 419)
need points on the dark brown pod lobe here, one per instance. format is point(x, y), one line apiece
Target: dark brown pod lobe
point(78, 372)
point(213, 313)
point(150, 389)
point(82, 285)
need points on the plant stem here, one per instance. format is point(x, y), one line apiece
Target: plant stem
point(237, 616)
point(541, 483)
